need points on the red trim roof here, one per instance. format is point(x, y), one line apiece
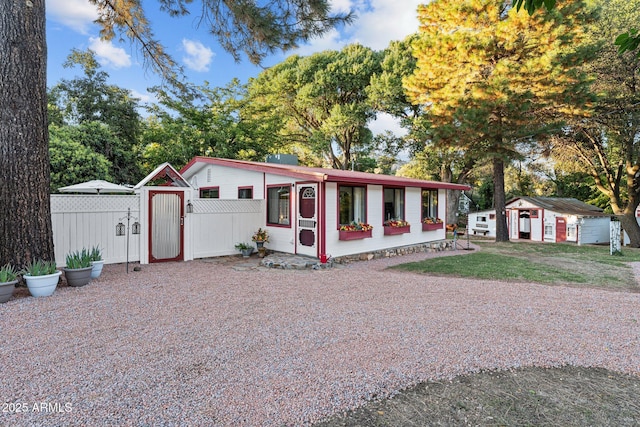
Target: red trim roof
point(322, 174)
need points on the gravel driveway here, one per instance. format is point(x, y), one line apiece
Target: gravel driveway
point(199, 343)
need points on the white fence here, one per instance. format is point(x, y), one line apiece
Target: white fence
point(218, 225)
point(213, 229)
point(84, 221)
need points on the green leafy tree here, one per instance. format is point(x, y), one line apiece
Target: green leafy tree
point(91, 99)
point(71, 160)
point(322, 102)
point(606, 144)
point(216, 123)
point(248, 26)
point(494, 80)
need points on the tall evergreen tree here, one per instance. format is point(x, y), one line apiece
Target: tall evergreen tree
point(493, 79)
point(450, 163)
point(25, 212)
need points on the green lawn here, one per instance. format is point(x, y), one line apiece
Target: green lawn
point(549, 263)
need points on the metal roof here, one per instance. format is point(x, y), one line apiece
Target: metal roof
point(317, 174)
point(563, 205)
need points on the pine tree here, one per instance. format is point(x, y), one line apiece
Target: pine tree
point(494, 80)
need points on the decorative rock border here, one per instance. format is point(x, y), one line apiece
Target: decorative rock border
point(297, 262)
point(443, 245)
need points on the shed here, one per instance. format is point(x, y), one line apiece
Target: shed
point(548, 219)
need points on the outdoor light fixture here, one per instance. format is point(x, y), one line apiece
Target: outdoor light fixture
point(189, 207)
point(120, 229)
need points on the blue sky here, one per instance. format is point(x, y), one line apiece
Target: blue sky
point(69, 25)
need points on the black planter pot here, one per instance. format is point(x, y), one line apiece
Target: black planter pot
point(78, 276)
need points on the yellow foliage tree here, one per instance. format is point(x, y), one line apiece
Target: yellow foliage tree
point(493, 80)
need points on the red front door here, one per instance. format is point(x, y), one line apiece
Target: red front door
point(561, 230)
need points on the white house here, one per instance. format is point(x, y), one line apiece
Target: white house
point(548, 219)
point(305, 208)
point(212, 204)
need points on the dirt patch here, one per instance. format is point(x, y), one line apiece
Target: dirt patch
point(568, 396)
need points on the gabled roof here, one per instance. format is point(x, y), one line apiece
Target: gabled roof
point(165, 171)
point(564, 205)
point(316, 174)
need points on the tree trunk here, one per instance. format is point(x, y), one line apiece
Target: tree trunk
point(453, 198)
point(499, 201)
point(25, 208)
point(630, 225)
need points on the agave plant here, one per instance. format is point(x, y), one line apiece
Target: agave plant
point(8, 273)
point(79, 259)
point(39, 268)
point(96, 254)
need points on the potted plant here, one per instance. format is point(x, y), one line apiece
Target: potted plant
point(245, 248)
point(430, 223)
point(8, 280)
point(96, 262)
point(41, 277)
point(78, 269)
point(354, 231)
point(260, 237)
point(396, 226)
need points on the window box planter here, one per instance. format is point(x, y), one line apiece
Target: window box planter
point(354, 235)
point(390, 231)
point(431, 227)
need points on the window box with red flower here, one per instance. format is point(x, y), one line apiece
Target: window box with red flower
point(354, 231)
point(430, 224)
point(396, 226)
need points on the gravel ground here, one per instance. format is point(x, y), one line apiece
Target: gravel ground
point(200, 344)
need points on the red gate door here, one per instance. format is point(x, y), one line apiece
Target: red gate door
point(166, 226)
point(561, 230)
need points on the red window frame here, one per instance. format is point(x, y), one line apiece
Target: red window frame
point(366, 201)
point(209, 188)
point(291, 192)
point(246, 187)
point(404, 202)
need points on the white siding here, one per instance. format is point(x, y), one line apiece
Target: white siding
point(378, 241)
point(594, 230)
point(228, 180)
point(282, 238)
point(482, 220)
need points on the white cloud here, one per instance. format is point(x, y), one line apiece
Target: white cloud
point(75, 14)
point(386, 122)
point(145, 97)
point(108, 54)
point(198, 56)
point(377, 23)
